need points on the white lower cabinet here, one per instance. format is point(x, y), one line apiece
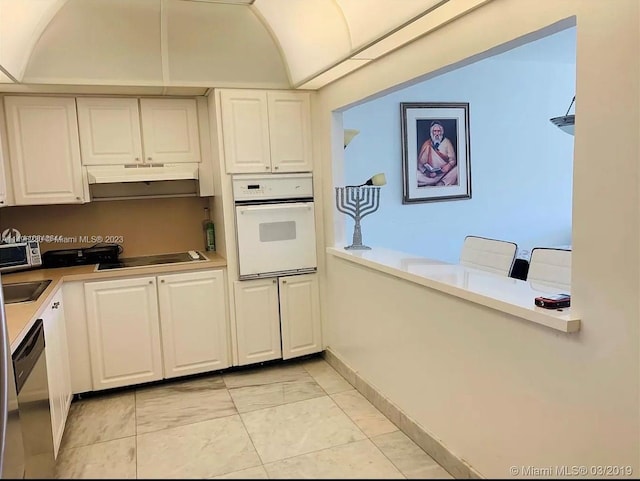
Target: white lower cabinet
point(257, 321)
point(124, 332)
point(147, 328)
point(300, 315)
point(58, 374)
point(193, 321)
point(277, 318)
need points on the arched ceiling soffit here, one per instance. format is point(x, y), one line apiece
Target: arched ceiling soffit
point(316, 35)
point(156, 42)
point(269, 43)
point(21, 24)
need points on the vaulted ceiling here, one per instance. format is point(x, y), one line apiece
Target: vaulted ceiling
point(183, 44)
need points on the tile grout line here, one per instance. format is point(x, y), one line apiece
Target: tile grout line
point(240, 415)
point(249, 436)
point(368, 437)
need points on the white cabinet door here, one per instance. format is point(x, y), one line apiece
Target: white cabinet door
point(170, 130)
point(3, 179)
point(245, 131)
point(77, 336)
point(290, 131)
point(124, 332)
point(257, 321)
point(300, 315)
point(194, 322)
point(59, 379)
point(44, 150)
point(109, 131)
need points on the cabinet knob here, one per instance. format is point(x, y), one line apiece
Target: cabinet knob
point(284, 282)
point(137, 159)
point(162, 281)
point(150, 282)
point(266, 167)
point(148, 158)
point(276, 167)
point(274, 281)
point(1, 201)
point(78, 198)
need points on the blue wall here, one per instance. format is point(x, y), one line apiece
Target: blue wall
point(521, 164)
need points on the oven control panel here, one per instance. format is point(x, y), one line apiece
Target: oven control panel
point(251, 187)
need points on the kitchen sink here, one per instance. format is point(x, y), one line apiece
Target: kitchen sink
point(24, 291)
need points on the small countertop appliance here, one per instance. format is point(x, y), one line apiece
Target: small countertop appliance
point(82, 256)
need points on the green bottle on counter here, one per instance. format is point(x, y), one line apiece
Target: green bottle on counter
point(209, 232)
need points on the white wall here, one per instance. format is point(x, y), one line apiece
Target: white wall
point(521, 164)
point(496, 390)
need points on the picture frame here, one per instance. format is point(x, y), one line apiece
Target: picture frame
point(436, 163)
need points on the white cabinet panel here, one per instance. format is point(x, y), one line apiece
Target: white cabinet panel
point(109, 131)
point(170, 130)
point(245, 131)
point(124, 332)
point(59, 378)
point(300, 315)
point(119, 131)
point(257, 320)
point(266, 131)
point(193, 321)
point(77, 336)
point(290, 131)
point(3, 180)
point(277, 318)
point(145, 329)
point(44, 150)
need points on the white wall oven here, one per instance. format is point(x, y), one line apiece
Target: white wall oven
point(275, 224)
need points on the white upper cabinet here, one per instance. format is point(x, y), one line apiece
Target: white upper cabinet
point(109, 131)
point(245, 131)
point(170, 130)
point(266, 131)
point(44, 151)
point(3, 181)
point(290, 131)
point(117, 131)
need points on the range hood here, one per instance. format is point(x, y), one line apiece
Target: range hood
point(110, 174)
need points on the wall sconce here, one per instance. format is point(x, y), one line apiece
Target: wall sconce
point(358, 201)
point(349, 134)
point(566, 123)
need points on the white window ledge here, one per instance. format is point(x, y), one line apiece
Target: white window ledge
point(504, 294)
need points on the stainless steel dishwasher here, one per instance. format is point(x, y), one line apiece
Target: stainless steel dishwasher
point(30, 368)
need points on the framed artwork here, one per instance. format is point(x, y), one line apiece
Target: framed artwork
point(435, 152)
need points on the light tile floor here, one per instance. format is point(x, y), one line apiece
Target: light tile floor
point(288, 420)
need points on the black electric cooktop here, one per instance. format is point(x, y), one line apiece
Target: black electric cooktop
point(152, 260)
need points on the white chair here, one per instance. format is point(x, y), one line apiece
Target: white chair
point(550, 266)
point(490, 255)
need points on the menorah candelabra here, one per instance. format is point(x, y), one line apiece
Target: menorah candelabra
point(357, 202)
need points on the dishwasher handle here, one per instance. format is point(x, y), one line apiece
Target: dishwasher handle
point(28, 353)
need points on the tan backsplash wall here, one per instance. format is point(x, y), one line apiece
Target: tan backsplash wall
point(146, 226)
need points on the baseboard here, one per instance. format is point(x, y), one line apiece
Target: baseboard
point(456, 466)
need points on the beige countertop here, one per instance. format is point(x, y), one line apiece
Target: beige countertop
point(20, 316)
point(502, 293)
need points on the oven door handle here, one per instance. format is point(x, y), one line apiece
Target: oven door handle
point(264, 208)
